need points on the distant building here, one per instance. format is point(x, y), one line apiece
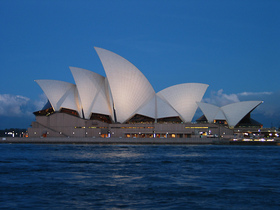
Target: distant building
point(124, 104)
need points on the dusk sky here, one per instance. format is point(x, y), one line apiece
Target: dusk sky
point(233, 46)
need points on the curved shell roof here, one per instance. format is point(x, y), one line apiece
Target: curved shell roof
point(92, 92)
point(129, 87)
point(209, 110)
point(220, 115)
point(149, 108)
point(126, 92)
point(236, 111)
point(61, 94)
point(183, 98)
point(164, 109)
point(232, 113)
point(157, 108)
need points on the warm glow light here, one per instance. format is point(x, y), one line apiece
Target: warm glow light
point(247, 139)
point(196, 127)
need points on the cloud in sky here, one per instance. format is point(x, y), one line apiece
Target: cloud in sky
point(18, 106)
point(254, 93)
point(13, 105)
point(17, 111)
point(267, 113)
point(219, 98)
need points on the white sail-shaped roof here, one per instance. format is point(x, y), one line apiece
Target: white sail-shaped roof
point(157, 108)
point(109, 97)
point(232, 113)
point(61, 94)
point(126, 92)
point(149, 109)
point(236, 111)
point(101, 104)
point(72, 101)
point(91, 88)
point(220, 115)
point(164, 109)
point(209, 110)
point(129, 87)
point(183, 98)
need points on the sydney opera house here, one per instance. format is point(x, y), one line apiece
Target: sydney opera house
point(124, 105)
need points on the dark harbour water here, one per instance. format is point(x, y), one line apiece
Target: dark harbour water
point(139, 177)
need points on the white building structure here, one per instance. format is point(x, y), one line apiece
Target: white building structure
point(231, 113)
point(122, 94)
point(107, 106)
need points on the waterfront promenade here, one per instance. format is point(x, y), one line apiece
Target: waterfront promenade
point(71, 140)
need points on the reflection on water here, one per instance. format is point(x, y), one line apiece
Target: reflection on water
point(139, 176)
point(121, 154)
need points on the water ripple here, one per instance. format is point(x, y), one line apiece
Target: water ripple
point(139, 177)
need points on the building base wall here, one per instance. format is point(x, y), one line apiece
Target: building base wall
point(65, 125)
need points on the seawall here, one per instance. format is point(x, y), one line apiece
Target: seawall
point(53, 140)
